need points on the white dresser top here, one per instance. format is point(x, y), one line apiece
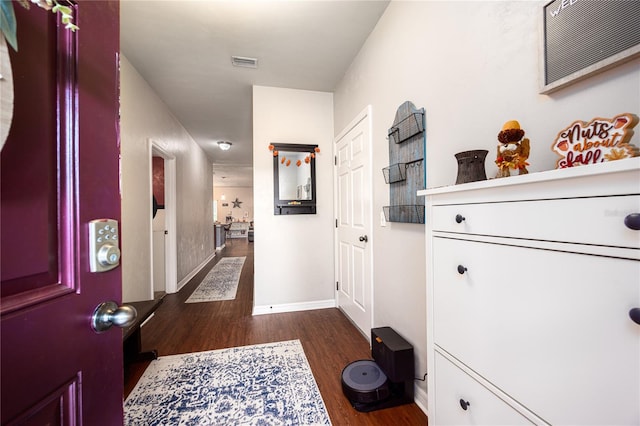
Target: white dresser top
point(593, 170)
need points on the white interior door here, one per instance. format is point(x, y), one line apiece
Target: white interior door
point(353, 221)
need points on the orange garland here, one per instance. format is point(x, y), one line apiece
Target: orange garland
point(307, 159)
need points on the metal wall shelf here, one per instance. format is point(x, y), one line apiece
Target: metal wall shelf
point(407, 127)
point(398, 172)
point(413, 213)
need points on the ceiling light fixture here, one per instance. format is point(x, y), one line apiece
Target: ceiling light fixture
point(224, 145)
point(241, 61)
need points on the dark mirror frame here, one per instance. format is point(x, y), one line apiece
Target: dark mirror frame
point(283, 207)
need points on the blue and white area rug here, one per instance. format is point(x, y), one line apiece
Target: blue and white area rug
point(221, 283)
point(268, 384)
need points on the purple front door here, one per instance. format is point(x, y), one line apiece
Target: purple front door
point(60, 170)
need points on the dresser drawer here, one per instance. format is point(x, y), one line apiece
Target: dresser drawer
point(598, 220)
point(549, 328)
point(453, 386)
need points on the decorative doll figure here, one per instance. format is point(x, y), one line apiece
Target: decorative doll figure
point(513, 150)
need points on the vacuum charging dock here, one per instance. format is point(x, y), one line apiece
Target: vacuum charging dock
point(387, 380)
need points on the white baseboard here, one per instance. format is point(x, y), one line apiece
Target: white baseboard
point(294, 307)
point(420, 398)
point(195, 271)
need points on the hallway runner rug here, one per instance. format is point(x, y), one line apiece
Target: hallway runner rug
point(221, 283)
point(267, 384)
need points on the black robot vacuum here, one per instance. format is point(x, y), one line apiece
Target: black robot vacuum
point(387, 380)
point(363, 382)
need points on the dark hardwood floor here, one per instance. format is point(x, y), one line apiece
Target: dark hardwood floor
point(329, 339)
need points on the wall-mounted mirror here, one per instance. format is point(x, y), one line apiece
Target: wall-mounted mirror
point(294, 179)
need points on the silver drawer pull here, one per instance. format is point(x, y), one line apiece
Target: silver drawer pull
point(461, 269)
point(632, 221)
point(464, 404)
point(634, 314)
point(459, 218)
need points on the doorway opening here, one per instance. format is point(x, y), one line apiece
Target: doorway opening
point(162, 187)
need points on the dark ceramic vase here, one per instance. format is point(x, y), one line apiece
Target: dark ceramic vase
point(471, 166)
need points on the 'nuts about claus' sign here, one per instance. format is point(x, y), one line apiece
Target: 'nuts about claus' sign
point(601, 139)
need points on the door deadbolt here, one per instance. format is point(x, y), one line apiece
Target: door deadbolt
point(104, 253)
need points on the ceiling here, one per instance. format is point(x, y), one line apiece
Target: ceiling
point(183, 49)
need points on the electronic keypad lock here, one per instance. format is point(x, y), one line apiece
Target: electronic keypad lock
point(103, 245)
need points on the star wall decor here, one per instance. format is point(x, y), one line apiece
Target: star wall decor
point(236, 203)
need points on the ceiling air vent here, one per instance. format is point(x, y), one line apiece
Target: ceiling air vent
point(240, 61)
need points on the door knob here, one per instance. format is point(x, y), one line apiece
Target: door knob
point(108, 314)
point(464, 404)
point(634, 314)
point(459, 218)
point(632, 221)
point(363, 238)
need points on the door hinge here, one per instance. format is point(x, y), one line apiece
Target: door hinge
point(336, 223)
point(337, 286)
point(335, 160)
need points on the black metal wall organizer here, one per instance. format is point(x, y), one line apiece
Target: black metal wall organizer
point(408, 125)
point(398, 172)
point(407, 173)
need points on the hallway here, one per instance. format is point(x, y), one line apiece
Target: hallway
point(329, 339)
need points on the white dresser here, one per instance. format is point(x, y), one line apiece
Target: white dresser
point(531, 283)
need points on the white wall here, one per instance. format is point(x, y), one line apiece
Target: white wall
point(143, 117)
point(293, 253)
point(473, 66)
point(244, 194)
